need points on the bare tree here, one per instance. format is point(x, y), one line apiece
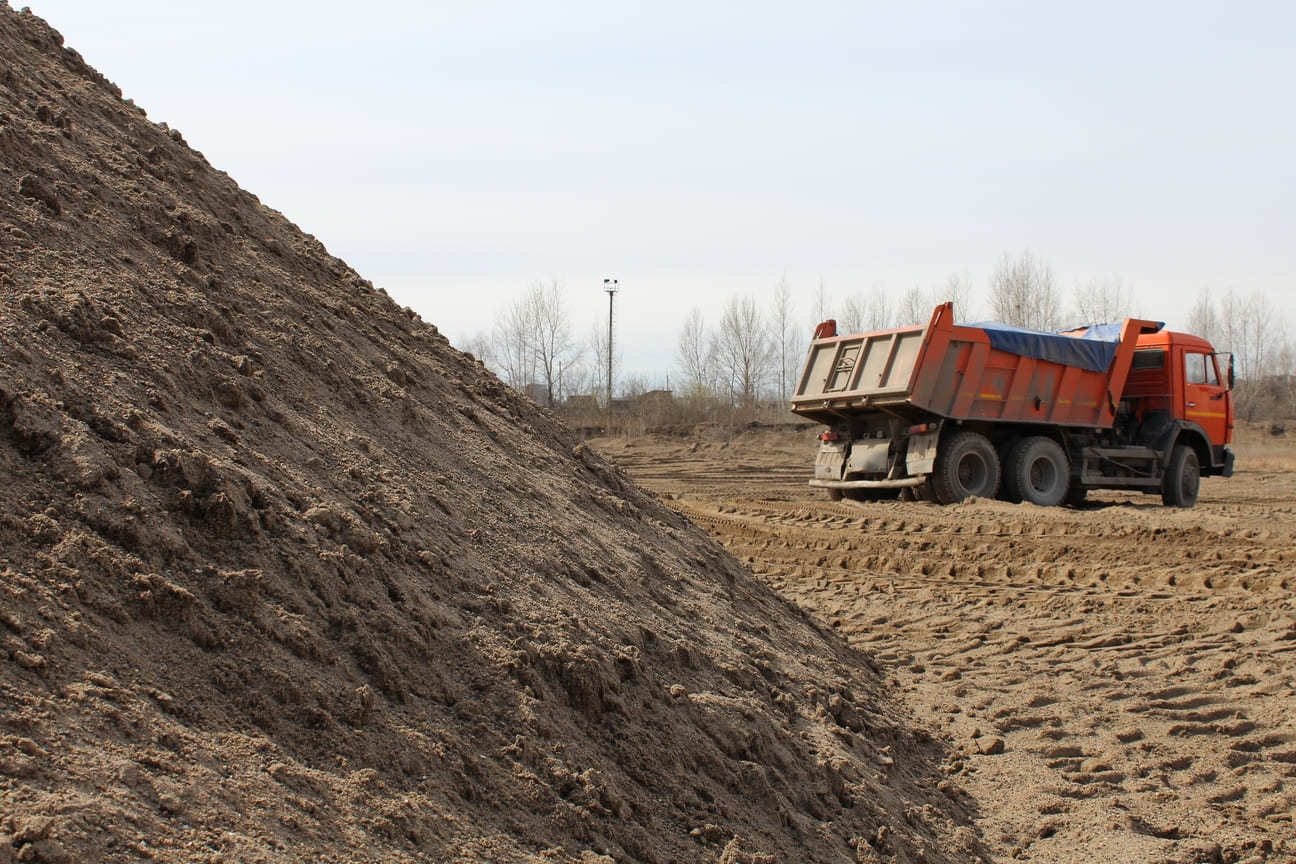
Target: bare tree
point(1253, 330)
point(551, 336)
point(958, 290)
point(743, 350)
point(479, 346)
point(821, 309)
point(915, 307)
point(511, 337)
point(1100, 301)
point(695, 357)
point(820, 305)
point(864, 313)
point(850, 317)
point(1023, 292)
point(785, 343)
point(1203, 319)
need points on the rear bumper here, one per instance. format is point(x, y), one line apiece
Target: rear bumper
point(898, 483)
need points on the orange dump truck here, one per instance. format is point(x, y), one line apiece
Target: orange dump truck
point(952, 411)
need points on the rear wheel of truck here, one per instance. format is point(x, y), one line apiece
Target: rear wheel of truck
point(966, 465)
point(1038, 472)
point(1182, 479)
point(1007, 489)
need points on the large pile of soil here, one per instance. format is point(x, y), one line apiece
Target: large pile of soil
point(284, 576)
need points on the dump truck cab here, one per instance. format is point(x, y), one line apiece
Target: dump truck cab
point(1184, 376)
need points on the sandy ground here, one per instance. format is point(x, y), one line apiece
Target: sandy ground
point(1115, 683)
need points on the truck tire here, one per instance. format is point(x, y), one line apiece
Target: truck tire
point(1038, 471)
point(834, 494)
point(1008, 488)
point(1182, 478)
point(966, 466)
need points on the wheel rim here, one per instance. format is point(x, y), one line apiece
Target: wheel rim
point(1043, 475)
point(972, 473)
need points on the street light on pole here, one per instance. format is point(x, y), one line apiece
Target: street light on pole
point(610, 286)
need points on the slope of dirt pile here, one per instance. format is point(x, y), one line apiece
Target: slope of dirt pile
point(1115, 683)
point(283, 576)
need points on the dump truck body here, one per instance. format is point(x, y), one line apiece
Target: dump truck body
point(1099, 407)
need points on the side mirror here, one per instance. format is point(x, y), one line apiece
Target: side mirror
point(1229, 355)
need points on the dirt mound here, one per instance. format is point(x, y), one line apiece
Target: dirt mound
point(286, 577)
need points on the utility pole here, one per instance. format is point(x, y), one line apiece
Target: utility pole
point(610, 286)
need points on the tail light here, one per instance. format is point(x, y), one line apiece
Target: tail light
point(828, 436)
point(921, 428)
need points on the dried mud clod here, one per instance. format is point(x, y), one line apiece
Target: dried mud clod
point(31, 186)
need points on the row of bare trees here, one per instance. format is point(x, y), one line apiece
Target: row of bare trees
point(750, 356)
point(533, 346)
point(1023, 291)
point(736, 360)
point(755, 349)
point(1253, 329)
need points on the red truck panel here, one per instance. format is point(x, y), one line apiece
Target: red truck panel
point(953, 371)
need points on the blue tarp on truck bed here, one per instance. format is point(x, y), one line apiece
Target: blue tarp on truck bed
point(1092, 348)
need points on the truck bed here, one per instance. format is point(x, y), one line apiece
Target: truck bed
point(968, 373)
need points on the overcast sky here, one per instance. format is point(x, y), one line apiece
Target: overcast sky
point(454, 152)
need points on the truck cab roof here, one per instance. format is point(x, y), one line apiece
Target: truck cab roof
point(1166, 338)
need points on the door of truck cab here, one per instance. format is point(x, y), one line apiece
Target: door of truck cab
point(1206, 394)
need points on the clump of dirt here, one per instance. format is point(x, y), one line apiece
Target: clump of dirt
point(284, 576)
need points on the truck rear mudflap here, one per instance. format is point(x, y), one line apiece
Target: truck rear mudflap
point(1226, 470)
point(830, 461)
point(875, 462)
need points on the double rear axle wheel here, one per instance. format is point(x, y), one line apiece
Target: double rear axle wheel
point(1034, 469)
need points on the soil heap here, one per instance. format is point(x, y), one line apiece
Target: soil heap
point(284, 576)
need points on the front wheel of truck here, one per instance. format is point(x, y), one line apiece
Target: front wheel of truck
point(1182, 478)
point(966, 466)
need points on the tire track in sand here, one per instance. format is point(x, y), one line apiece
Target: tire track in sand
point(1116, 682)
